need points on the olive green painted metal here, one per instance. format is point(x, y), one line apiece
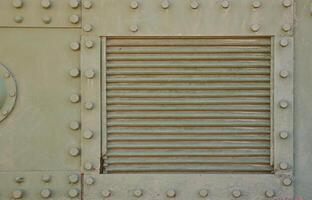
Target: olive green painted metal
point(155, 99)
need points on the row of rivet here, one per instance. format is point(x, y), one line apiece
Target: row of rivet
point(46, 192)
point(46, 4)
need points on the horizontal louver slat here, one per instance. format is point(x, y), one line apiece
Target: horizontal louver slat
point(188, 105)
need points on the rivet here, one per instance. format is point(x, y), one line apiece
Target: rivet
point(284, 42)
point(88, 134)
point(134, 4)
point(90, 180)
point(74, 125)
point(89, 73)
point(283, 104)
point(171, 193)
point(255, 27)
point(74, 72)
point(194, 4)
point(74, 19)
point(283, 134)
point(256, 4)
point(17, 3)
point(87, 4)
point(46, 3)
point(87, 28)
point(73, 178)
point(134, 28)
point(74, 3)
point(286, 27)
point(74, 151)
point(5, 112)
point(165, 4)
point(46, 19)
point(269, 193)
point(73, 192)
point(203, 192)
point(287, 3)
point(283, 165)
point(19, 179)
point(17, 194)
point(236, 193)
point(75, 46)
point(89, 105)
point(45, 193)
point(138, 193)
point(88, 166)
point(106, 193)
point(46, 178)
point(89, 44)
point(18, 19)
point(284, 74)
point(225, 4)
point(287, 182)
point(74, 98)
point(12, 94)
point(7, 75)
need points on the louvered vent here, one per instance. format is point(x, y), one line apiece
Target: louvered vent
point(188, 105)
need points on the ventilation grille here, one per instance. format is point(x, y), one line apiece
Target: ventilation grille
point(188, 105)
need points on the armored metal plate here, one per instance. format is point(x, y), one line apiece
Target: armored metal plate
point(29, 13)
point(210, 18)
point(39, 126)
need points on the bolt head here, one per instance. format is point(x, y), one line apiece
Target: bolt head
point(203, 193)
point(287, 181)
point(12, 94)
point(75, 46)
point(5, 112)
point(287, 3)
point(90, 180)
point(165, 4)
point(134, 5)
point(106, 193)
point(45, 193)
point(138, 193)
point(225, 4)
point(87, 28)
point(19, 179)
point(46, 3)
point(284, 42)
point(255, 27)
point(284, 74)
point(90, 73)
point(236, 193)
point(286, 27)
point(171, 193)
point(74, 151)
point(88, 166)
point(88, 134)
point(283, 104)
point(270, 193)
point(74, 72)
point(194, 4)
point(283, 134)
point(74, 98)
point(87, 4)
point(73, 178)
point(74, 19)
point(256, 4)
point(74, 125)
point(17, 3)
point(18, 19)
point(134, 28)
point(46, 19)
point(74, 3)
point(89, 105)
point(46, 178)
point(17, 194)
point(89, 44)
point(283, 165)
point(73, 192)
